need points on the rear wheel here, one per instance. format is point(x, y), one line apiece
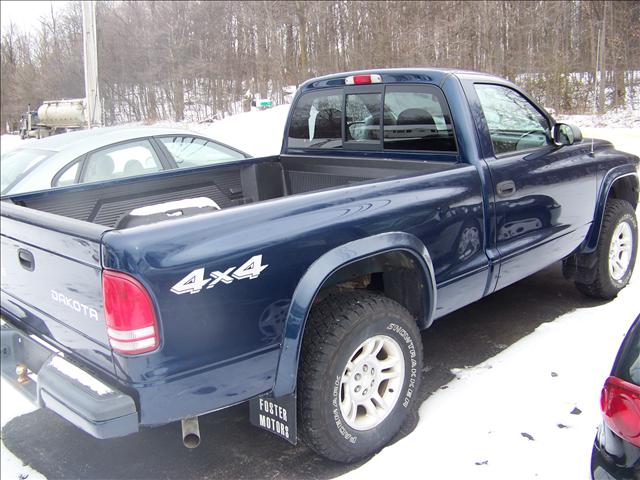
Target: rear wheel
point(359, 374)
point(615, 255)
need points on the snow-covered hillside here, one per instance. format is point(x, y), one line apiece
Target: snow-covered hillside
point(622, 117)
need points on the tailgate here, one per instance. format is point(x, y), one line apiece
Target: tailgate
point(51, 280)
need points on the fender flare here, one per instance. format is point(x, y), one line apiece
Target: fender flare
point(315, 277)
point(591, 241)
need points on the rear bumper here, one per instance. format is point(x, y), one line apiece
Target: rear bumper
point(59, 385)
point(613, 458)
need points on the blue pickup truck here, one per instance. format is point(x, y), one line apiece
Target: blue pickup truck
point(300, 282)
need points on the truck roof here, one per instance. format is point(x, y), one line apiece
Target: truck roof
point(397, 75)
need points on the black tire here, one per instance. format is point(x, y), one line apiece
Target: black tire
point(602, 285)
point(335, 329)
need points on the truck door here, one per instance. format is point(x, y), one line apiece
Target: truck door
point(543, 195)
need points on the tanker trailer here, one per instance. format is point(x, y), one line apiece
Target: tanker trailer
point(57, 116)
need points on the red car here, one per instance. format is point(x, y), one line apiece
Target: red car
point(616, 450)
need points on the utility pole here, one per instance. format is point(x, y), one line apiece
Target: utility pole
point(602, 86)
point(94, 108)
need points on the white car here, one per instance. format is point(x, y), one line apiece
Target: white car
point(106, 154)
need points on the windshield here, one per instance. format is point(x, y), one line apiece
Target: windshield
point(15, 164)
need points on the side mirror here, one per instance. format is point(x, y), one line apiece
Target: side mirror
point(565, 134)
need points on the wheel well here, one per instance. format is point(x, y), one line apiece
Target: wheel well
point(625, 188)
point(396, 274)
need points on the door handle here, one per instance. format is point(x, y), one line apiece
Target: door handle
point(506, 188)
point(26, 259)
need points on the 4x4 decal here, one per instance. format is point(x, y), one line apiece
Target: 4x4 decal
point(195, 281)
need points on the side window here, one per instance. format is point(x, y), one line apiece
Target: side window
point(627, 366)
point(197, 152)
point(363, 117)
point(417, 119)
point(119, 161)
point(514, 123)
point(316, 121)
point(68, 175)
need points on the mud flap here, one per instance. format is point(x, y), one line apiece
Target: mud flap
point(580, 267)
point(276, 415)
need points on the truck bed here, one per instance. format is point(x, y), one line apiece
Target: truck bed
point(241, 183)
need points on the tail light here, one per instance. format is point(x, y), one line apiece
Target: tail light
point(131, 321)
point(620, 403)
point(363, 79)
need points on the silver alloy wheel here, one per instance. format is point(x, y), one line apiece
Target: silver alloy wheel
point(371, 382)
point(620, 251)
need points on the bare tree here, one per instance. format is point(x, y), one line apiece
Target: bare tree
point(194, 59)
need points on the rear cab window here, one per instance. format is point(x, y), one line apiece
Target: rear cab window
point(410, 118)
point(363, 118)
point(417, 119)
point(316, 121)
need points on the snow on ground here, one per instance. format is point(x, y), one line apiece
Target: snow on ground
point(529, 412)
point(624, 117)
point(474, 427)
point(620, 126)
point(9, 142)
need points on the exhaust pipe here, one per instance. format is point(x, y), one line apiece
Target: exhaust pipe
point(190, 432)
